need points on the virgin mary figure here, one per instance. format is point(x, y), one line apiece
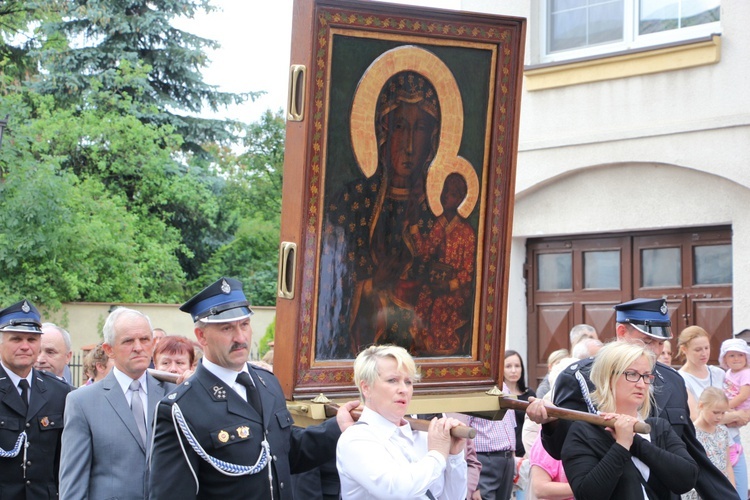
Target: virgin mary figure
point(371, 273)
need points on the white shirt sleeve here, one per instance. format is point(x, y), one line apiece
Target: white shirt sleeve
point(456, 476)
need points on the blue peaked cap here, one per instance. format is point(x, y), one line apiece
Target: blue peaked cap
point(21, 317)
point(650, 316)
point(220, 302)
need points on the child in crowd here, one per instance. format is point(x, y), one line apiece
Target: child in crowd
point(734, 359)
point(712, 405)
point(548, 480)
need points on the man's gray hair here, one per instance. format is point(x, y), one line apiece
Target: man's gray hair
point(109, 332)
point(586, 348)
point(581, 331)
point(63, 332)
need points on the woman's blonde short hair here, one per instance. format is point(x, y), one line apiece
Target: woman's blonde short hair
point(556, 356)
point(366, 364)
point(609, 363)
point(686, 336)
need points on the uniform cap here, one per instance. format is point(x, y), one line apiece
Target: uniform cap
point(648, 316)
point(21, 317)
point(220, 302)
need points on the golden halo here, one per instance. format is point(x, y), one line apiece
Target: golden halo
point(436, 175)
point(404, 58)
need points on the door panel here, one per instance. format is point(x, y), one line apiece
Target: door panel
point(590, 265)
point(690, 268)
point(602, 317)
point(554, 323)
point(715, 316)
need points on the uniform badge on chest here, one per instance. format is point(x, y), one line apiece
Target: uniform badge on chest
point(219, 392)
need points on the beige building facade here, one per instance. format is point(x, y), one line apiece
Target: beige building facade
point(84, 321)
point(638, 131)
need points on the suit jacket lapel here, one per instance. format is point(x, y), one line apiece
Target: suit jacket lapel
point(156, 392)
point(10, 396)
point(116, 397)
point(38, 394)
point(267, 398)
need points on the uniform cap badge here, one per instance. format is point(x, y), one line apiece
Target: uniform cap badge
point(225, 288)
point(25, 307)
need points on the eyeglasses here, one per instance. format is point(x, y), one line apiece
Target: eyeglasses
point(648, 378)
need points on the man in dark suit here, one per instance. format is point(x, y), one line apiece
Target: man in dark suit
point(227, 427)
point(108, 424)
point(31, 409)
point(644, 320)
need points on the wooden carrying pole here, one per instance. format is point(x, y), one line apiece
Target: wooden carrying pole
point(331, 409)
point(565, 414)
point(163, 376)
point(462, 431)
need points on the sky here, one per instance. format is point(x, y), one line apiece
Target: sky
point(255, 38)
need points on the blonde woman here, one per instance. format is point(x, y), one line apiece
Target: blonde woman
point(617, 463)
point(382, 456)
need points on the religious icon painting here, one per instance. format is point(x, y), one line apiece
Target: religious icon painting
point(398, 189)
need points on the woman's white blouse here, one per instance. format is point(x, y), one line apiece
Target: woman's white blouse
point(377, 459)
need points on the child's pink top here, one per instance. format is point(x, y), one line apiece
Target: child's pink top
point(732, 384)
point(538, 456)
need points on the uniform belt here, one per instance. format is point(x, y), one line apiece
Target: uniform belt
point(502, 453)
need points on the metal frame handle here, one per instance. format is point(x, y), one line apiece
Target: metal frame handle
point(287, 270)
point(296, 103)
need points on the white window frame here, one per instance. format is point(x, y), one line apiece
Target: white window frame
point(631, 39)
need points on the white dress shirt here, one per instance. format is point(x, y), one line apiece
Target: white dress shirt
point(377, 459)
point(15, 379)
point(124, 382)
point(228, 376)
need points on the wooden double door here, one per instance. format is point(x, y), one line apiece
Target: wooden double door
point(572, 280)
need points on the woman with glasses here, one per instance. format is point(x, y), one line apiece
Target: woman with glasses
point(618, 463)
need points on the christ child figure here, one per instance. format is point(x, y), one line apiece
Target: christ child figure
point(449, 250)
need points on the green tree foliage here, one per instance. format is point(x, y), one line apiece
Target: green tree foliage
point(100, 199)
point(250, 208)
point(250, 257)
point(67, 236)
point(263, 347)
point(17, 20)
point(102, 35)
point(259, 168)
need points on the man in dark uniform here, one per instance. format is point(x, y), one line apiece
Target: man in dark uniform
point(226, 431)
point(31, 409)
point(645, 320)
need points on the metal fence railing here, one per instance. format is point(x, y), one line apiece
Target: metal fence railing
point(77, 377)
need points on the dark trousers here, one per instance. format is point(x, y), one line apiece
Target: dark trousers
point(320, 483)
point(496, 478)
